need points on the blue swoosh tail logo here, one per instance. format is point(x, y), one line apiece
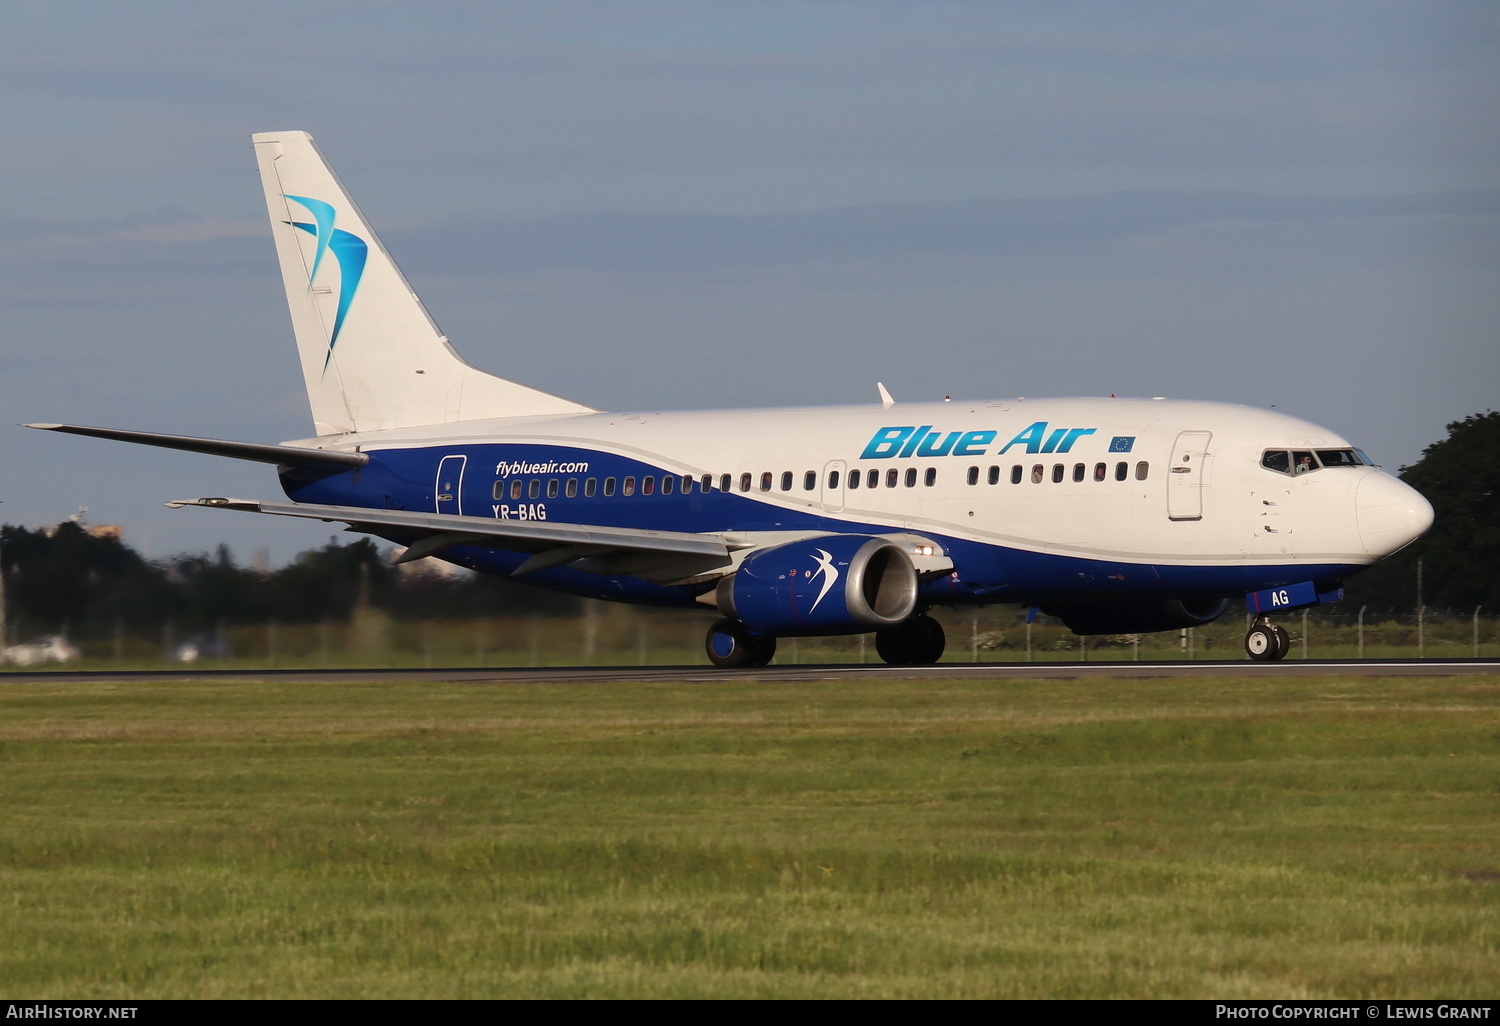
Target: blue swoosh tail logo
point(349, 251)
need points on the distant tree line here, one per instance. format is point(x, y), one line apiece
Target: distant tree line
point(1460, 556)
point(68, 581)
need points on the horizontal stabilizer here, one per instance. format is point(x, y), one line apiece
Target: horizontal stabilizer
point(281, 455)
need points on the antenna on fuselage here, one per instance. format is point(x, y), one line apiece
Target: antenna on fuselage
point(885, 397)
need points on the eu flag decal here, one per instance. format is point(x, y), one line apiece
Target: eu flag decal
point(1121, 444)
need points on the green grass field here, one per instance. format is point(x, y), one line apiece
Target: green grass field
point(1208, 838)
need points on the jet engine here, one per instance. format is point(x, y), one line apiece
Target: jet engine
point(1137, 617)
point(834, 584)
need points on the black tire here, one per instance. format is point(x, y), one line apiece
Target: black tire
point(729, 645)
point(1261, 643)
point(1283, 641)
point(918, 641)
point(762, 649)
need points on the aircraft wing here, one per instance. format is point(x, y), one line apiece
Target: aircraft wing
point(663, 556)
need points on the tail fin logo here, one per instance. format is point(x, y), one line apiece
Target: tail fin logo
point(349, 251)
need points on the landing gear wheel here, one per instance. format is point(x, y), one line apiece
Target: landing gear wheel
point(731, 647)
point(762, 650)
point(1261, 644)
point(728, 644)
point(1283, 640)
point(918, 641)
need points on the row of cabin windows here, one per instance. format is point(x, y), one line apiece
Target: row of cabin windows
point(1060, 471)
point(668, 483)
point(893, 477)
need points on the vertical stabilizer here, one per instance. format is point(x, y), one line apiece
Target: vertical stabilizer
point(372, 358)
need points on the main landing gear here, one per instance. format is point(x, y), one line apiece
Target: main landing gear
point(917, 641)
point(1266, 642)
point(731, 647)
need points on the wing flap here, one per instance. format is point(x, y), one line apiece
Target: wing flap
point(552, 543)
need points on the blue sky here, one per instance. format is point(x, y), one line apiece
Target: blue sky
point(683, 205)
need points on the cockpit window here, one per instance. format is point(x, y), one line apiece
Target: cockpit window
point(1340, 458)
point(1303, 461)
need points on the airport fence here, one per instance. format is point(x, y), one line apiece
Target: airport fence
point(603, 634)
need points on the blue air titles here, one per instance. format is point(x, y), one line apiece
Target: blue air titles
point(905, 442)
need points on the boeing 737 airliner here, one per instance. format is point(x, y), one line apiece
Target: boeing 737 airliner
point(1116, 515)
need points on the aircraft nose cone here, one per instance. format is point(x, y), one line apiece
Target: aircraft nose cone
point(1391, 514)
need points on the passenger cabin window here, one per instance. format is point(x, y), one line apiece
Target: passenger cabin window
point(1141, 470)
point(993, 476)
point(786, 480)
point(854, 478)
point(627, 486)
point(1101, 471)
point(589, 486)
point(609, 487)
point(765, 481)
point(833, 479)
point(1078, 470)
point(648, 485)
point(872, 479)
point(745, 481)
point(534, 489)
point(810, 480)
point(1037, 473)
point(552, 488)
point(1057, 473)
point(931, 478)
point(572, 491)
point(725, 482)
point(668, 483)
point(707, 482)
point(1016, 473)
point(911, 477)
point(1122, 471)
point(515, 488)
point(890, 477)
point(973, 475)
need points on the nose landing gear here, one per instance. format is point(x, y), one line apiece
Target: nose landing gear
point(1267, 642)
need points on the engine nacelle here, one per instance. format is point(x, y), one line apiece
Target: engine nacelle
point(1137, 617)
point(834, 584)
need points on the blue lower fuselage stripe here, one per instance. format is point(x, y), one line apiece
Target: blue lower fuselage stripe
point(984, 572)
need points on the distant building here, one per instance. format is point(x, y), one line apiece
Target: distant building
point(54, 648)
point(428, 566)
point(114, 531)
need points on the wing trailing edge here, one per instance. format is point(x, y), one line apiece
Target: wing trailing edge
point(665, 556)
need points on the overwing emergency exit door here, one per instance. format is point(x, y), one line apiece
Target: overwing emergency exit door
point(834, 473)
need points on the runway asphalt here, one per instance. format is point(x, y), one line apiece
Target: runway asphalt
point(777, 674)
